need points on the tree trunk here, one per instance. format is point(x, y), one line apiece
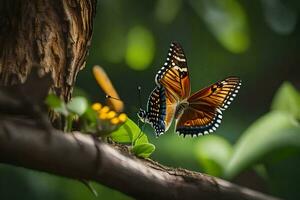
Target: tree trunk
point(54, 35)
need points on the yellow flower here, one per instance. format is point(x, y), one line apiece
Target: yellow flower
point(114, 121)
point(102, 116)
point(111, 114)
point(96, 106)
point(122, 117)
point(105, 109)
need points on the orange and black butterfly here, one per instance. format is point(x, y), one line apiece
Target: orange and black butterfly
point(196, 114)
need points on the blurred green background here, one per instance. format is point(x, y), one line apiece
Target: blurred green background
point(258, 41)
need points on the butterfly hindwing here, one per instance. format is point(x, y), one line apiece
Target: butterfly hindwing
point(204, 112)
point(194, 122)
point(160, 112)
point(174, 75)
point(157, 109)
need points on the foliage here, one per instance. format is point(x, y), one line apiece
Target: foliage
point(212, 153)
point(287, 99)
point(143, 150)
point(129, 132)
point(101, 121)
point(273, 132)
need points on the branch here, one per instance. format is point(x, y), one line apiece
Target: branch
point(23, 143)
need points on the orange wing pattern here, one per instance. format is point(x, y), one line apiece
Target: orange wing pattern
point(174, 75)
point(200, 113)
point(204, 112)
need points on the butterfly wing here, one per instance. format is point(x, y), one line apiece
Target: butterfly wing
point(160, 112)
point(174, 75)
point(204, 112)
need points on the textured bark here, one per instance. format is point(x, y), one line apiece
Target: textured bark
point(80, 156)
point(53, 34)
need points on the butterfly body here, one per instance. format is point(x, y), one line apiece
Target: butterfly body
point(180, 109)
point(196, 114)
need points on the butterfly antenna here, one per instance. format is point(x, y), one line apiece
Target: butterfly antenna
point(139, 95)
point(110, 97)
point(139, 88)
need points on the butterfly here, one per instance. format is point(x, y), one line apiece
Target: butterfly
point(196, 114)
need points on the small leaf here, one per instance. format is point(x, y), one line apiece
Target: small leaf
point(141, 138)
point(143, 150)
point(89, 120)
point(287, 99)
point(56, 104)
point(53, 101)
point(122, 135)
point(78, 105)
point(213, 153)
point(129, 132)
point(90, 115)
point(264, 139)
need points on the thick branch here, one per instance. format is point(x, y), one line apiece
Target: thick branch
point(80, 156)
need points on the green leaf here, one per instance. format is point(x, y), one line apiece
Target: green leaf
point(90, 115)
point(140, 48)
point(89, 121)
point(212, 153)
point(129, 132)
point(56, 104)
point(53, 101)
point(227, 20)
point(143, 150)
point(78, 105)
point(264, 139)
point(287, 99)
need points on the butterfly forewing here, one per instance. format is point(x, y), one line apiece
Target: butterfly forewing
point(204, 112)
point(174, 76)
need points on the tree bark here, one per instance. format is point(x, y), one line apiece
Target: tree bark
point(52, 34)
point(80, 156)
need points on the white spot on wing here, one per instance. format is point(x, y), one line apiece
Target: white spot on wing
point(180, 69)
